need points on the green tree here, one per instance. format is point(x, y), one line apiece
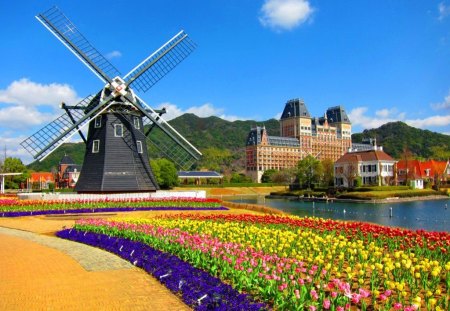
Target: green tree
point(328, 172)
point(285, 176)
point(165, 172)
point(239, 178)
point(215, 158)
point(15, 165)
point(309, 171)
point(267, 176)
point(440, 152)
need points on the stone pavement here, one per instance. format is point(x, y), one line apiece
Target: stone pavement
point(41, 272)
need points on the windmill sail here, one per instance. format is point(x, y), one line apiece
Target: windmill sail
point(54, 134)
point(63, 29)
point(159, 63)
point(165, 141)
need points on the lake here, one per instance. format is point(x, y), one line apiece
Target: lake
point(431, 215)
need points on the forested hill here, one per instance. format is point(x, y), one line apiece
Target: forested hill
point(225, 141)
point(395, 136)
point(216, 132)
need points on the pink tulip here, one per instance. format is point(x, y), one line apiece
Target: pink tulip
point(326, 304)
point(398, 306)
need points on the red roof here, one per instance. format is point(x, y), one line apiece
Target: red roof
point(364, 156)
point(41, 177)
point(418, 169)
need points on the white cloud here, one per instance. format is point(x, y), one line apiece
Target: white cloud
point(13, 148)
point(361, 119)
point(358, 116)
point(277, 116)
point(26, 105)
point(444, 10)
point(28, 93)
point(443, 105)
point(203, 111)
point(285, 14)
point(384, 113)
point(20, 117)
point(432, 121)
point(113, 54)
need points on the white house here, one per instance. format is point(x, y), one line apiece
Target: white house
point(374, 167)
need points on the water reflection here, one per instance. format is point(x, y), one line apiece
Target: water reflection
point(432, 215)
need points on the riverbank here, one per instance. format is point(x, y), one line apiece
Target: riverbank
point(369, 201)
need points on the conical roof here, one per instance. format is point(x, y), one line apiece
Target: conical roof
point(66, 160)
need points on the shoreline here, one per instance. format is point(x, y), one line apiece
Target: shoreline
point(371, 201)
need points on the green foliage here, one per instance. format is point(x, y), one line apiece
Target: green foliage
point(267, 175)
point(310, 171)
point(285, 176)
point(440, 152)
point(328, 172)
point(214, 159)
point(14, 165)
point(239, 178)
point(394, 136)
point(165, 172)
point(370, 195)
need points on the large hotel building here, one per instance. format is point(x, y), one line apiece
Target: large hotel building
point(327, 137)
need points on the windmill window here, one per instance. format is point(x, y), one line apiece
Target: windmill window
point(118, 130)
point(98, 122)
point(96, 146)
point(139, 146)
point(136, 123)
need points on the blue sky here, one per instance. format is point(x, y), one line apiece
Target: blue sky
point(382, 60)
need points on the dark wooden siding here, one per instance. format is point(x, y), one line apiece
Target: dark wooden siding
point(117, 167)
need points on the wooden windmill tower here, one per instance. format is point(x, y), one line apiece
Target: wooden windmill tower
point(120, 124)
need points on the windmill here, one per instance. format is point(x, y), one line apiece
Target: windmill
point(119, 122)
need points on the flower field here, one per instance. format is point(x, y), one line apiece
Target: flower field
point(290, 263)
point(14, 208)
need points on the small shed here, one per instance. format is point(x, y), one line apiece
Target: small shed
point(199, 177)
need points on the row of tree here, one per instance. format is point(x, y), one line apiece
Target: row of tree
point(310, 172)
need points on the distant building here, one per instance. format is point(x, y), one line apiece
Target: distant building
point(416, 173)
point(68, 173)
point(327, 137)
point(199, 177)
point(372, 167)
point(40, 180)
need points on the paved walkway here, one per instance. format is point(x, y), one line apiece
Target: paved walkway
point(39, 272)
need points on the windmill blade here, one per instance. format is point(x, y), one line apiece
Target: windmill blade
point(66, 32)
point(48, 139)
point(164, 140)
point(161, 62)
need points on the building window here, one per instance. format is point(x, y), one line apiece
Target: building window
point(139, 146)
point(96, 146)
point(136, 123)
point(118, 130)
point(98, 122)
